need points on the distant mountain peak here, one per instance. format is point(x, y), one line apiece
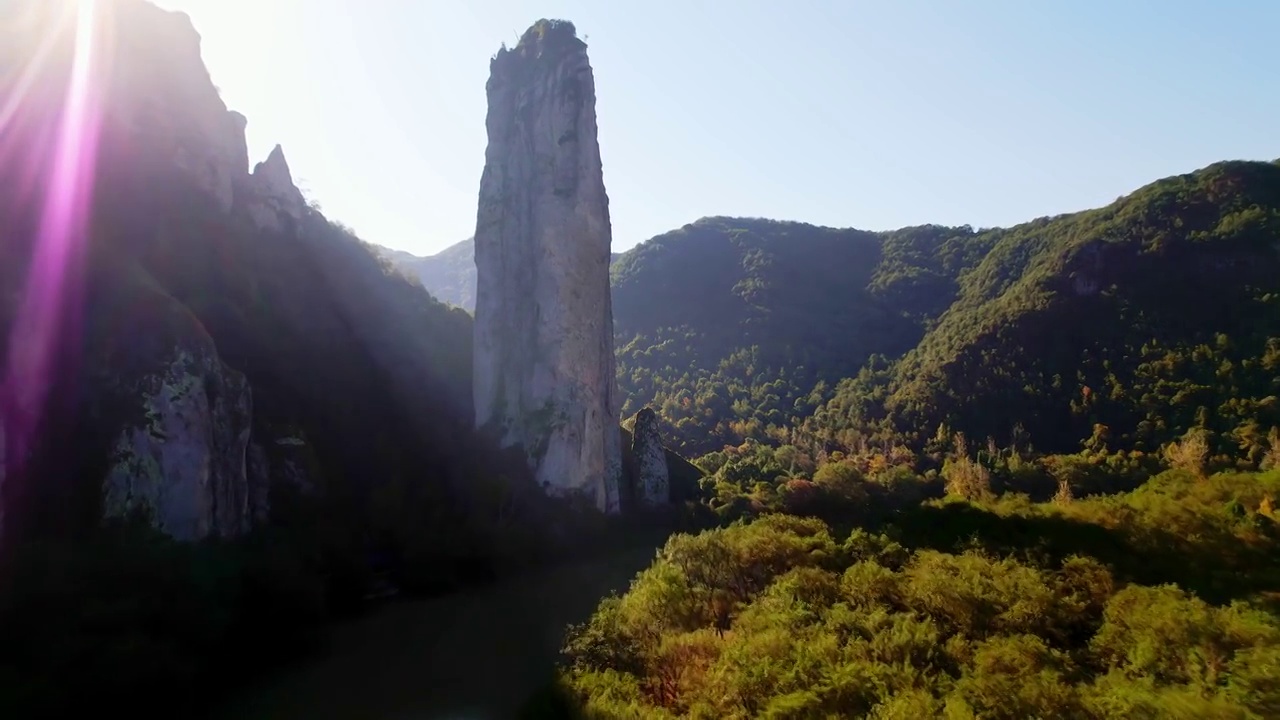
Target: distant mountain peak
point(450, 274)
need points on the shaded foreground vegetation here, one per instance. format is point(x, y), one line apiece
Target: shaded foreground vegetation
point(1156, 602)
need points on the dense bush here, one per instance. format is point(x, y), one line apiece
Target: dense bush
point(1151, 603)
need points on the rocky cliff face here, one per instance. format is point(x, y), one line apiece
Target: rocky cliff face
point(544, 361)
point(181, 417)
point(208, 310)
point(275, 201)
point(162, 105)
point(160, 92)
point(183, 463)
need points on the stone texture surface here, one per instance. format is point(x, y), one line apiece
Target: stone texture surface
point(184, 462)
point(164, 111)
point(161, 91)
point(275, 202)
point(652, 482)
point(176, 412)
point(544, 361)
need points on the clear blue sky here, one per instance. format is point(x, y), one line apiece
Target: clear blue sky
point(843, 112)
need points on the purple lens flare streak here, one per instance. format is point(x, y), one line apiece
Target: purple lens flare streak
point(48, 303)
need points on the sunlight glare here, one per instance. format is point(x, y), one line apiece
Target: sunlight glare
point(46, 305)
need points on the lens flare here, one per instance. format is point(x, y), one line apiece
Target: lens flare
point(47, 302)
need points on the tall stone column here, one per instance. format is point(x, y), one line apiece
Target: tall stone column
point(544, 361)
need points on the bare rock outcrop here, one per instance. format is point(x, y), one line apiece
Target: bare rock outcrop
point(160, 103)
point(182, 462)
point(180, 233)
point(544, 360)
point(161, 92)
point(179, 415)
point(274, 200)
point(652, 481)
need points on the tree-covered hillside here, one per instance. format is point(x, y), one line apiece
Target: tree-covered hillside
point(1105, 549)
point(1155, 603)
point(732, 326)
point(1166, 299)
point(1157, 314)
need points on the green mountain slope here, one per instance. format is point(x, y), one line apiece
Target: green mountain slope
point(1153, 315)
point(730, 326)
point(1150, 316)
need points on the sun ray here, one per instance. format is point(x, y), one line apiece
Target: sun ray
point(17, 91)
point(40, 324)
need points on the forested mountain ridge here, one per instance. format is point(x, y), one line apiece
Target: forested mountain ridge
point(736, 328)
point(727, 325)
point(1156, 314)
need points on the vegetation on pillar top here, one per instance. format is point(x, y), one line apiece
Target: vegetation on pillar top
point(544, 39)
